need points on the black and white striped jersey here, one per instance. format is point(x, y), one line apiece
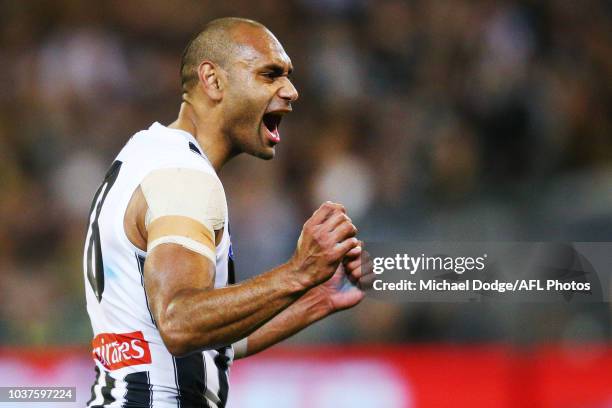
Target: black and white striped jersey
point(133, 366)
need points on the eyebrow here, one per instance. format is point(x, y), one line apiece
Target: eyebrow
point(277, 69)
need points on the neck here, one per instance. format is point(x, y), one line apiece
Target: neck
point(204, 125)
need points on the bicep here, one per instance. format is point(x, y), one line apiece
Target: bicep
point(170, 270)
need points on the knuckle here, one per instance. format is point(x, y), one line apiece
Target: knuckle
point(335, 206)
point(351, 229)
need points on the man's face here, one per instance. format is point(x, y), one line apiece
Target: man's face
point(258, 93)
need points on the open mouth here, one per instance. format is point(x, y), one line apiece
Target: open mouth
point(271, 121)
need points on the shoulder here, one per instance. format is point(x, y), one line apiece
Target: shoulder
point(161, 147)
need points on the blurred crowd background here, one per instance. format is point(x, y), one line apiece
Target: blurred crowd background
point(430, 120)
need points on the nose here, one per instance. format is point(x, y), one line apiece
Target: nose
point(288, 91)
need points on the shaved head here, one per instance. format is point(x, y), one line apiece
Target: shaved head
point(217, 43)
point(235, 77)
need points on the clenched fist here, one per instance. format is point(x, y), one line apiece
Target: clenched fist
point(325, 239)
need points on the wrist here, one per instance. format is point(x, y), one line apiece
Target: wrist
point(299, 278)
point(317, 304)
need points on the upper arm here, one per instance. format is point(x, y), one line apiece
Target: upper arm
point(170, 270)
point(185, 211)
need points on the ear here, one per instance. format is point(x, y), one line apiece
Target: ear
point(211, 80)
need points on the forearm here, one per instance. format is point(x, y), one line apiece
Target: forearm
point(307, 310)
point(197, 319)
point(191, 315)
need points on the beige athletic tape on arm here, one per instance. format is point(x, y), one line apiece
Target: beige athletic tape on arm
point(184, 194)
point(240, 348)
point(184, 231)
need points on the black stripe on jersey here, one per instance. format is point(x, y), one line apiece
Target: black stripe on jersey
point(222, 363)
point(190, 374)
point(140, 260)
point(231, 269)
point(139, 392)
point(194, 148)
point(231, 274)
point(106, 391)
point(94, 261)
point(93, 386)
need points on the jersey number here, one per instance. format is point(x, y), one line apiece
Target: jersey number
point(93, 261)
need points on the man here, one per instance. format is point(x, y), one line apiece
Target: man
point(167, 317)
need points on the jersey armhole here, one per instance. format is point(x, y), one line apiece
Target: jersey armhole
point(120, 229)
